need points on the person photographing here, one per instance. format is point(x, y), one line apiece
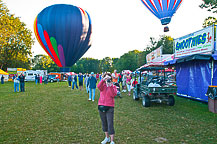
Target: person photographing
point(106, 107)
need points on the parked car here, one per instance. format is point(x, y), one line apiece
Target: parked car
point(52, 78)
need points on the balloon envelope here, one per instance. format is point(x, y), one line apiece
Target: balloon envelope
point(162, 9)
point(64, 32)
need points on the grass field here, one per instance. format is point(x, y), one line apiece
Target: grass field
point(54, 113)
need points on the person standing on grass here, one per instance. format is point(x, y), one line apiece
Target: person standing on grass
point(45, 79)
point(124, 82)
point(128, 82)
point(70, 80)
point(16, 83)
point(85, 82)
point(2, 79)
point(74, 81)
point(80, 81)
point(120, 78)
point(115, 76)
point(40, 79)
point(91, 83)
point(97, 76)
point(36, 79)
point(106, 107)
point(22, 82)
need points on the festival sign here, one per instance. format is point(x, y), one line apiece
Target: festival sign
point(156, 54)
point(198, 42)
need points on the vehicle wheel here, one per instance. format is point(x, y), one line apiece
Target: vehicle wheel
point(135, 96)
point(146, 101)
point(171, 100)
point(51, 80)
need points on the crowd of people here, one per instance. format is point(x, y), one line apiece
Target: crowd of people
point(124, 81)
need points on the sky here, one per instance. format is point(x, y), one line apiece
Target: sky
point(118, 26)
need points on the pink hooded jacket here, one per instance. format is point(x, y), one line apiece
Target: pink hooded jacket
point(107, 94)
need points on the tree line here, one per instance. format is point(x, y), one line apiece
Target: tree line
point(128, 61)
point(16, 41)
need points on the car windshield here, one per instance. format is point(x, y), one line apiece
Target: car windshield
point(51, 76)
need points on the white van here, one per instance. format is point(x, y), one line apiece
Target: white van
point(30, 74)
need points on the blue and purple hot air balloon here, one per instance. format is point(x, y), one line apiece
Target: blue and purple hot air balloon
point(163, 9)
point(64, 32)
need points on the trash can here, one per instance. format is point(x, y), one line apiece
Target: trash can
point(212, 98)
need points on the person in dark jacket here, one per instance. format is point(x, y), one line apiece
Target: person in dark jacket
point(36, 79)
point(22, 82)
point(80, 80)
point(70, 80)
point(2, 79)
point(91, 83)
point(74, 82)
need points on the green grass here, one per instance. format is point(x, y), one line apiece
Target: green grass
point(54, 113)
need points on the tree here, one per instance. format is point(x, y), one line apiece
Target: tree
point(128, 61)
point(15, 40)
point(44, 62)
point(106, 64)
point(86, 65)
point(209, 21)
point(165, 41)
point(210, 5)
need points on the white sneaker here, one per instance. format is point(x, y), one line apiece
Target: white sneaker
point(89, 99)
point(106, 140)
point(93, 100)
point(112, 142)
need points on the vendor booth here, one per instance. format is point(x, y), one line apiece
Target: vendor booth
point(195, 63)
point(4, 74)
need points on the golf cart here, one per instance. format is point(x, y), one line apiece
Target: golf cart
point(154, 88)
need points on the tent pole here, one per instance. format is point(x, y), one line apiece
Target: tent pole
point(212, 71)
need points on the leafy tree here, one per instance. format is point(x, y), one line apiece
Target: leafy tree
point(44, 62)
point(15, 40)
point(86, 65)
point(210, 5)
point(128, 61)
point(209, 21)
point(106, 64)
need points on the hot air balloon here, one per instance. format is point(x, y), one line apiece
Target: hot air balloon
point(64, 32)
point(163, 9)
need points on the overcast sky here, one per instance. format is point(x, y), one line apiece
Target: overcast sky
point(119, 26)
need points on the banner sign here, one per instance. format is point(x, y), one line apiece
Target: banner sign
point(156, 54)
point(199, 42)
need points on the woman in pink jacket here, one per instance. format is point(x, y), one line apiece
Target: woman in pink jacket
point(106, 105)
point(40, 79)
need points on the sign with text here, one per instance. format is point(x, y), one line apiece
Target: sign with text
point(156, 54)
point(199, 42)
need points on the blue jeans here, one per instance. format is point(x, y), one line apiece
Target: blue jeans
point(36, 81)
point(22, 86)
point(70, 83)
point(74, 83)
point(16, 87)
point(87, 88)
point(90, 93)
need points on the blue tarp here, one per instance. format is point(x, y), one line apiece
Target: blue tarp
point(193, 79)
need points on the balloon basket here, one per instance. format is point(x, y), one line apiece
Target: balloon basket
point(166, 29)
